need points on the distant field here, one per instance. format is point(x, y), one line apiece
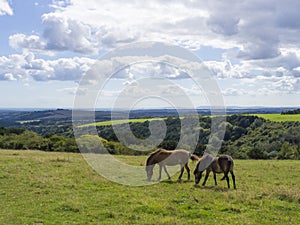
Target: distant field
point(60, 188)
point(115, 122)
point(279, 117)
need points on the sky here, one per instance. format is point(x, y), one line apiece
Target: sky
point(251, 48)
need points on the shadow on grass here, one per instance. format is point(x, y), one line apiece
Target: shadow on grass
point(214, 188)
point(176, 181)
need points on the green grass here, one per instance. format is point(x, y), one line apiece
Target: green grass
point(280, 118)
point(60, 188)
point(116, 122)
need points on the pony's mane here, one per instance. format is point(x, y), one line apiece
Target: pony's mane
point(152, 154)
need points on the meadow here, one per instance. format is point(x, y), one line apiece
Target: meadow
point(280, 117)
point(60, 188)
point(116, 122)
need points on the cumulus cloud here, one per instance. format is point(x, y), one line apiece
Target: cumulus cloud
point(132, 68)
point(63, 33)
point(258, 38)
point(11, 67)
point(225, 69)
point(21, 41)
point(257, 29)
point(63, 69)
point(156, 69)
point(234, 92)
point(92, 26)
point(23, 66)
point(74, 90)
point(5, 8)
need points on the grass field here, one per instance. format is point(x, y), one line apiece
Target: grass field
point(279, 117)
point(60, 188)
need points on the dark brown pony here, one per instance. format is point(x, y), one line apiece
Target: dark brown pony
point(223, 164)
point(165, 158)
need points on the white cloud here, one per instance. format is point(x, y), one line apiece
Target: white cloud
point(87, 27)
point(12, 67)
point(260, 40)
point(7, 76)
point(63, 69)
point(73, 90)
point(234, 92)
point(225, 69)
point(5, 8)
point(31, 42)
point(257, 30)
point(63, 33)
point(263, 86)
point(16, 67)
point(139, 67)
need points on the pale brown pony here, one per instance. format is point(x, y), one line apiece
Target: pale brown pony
point(223, 164)
point(165, 158)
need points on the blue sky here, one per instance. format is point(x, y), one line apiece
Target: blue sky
point(252, 48)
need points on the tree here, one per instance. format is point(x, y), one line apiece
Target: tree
point(257, 153)
point(289, 151)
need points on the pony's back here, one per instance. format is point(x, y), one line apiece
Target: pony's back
point(171, 156)
point(226, 162)
point(150, 158)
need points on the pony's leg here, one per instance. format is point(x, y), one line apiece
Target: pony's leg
point(233, 179)
point(165, 169)
point(227, 179)
point(182, 169)
point(206, 176)
point(159, 176)
point(188, 171)
point(215, 178)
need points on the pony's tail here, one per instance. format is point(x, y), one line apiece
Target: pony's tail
point(194, 157)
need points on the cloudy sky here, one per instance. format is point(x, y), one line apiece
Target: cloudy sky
point(251, 47)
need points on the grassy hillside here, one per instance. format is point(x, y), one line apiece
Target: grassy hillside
point(116, 122)
point(280, 117)
point(60, 188)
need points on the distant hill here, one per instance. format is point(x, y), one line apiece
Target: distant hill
point(289, 112)
point(28, 118)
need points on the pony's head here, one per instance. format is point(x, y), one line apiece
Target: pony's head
point(149, 171)
point(198, 174)
point(202, 165)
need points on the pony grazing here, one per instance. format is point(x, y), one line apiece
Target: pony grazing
point(165, 158)
point(223, 164)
